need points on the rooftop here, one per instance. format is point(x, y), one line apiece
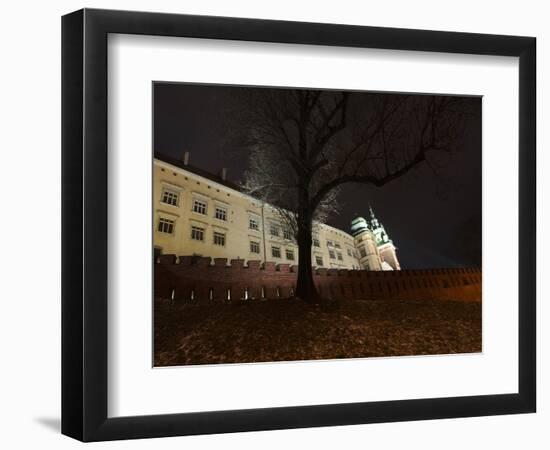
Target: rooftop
point(197, 171)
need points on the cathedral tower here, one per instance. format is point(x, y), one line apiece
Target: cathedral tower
point(365, 243)
point(386, 249)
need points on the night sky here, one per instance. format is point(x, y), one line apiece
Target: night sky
point(435, 221)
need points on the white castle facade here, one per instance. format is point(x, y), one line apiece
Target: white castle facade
point(198, 213)
point(376, 249)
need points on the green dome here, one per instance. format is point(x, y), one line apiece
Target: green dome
point(358, 225)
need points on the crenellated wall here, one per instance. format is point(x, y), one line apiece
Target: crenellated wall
point(190, 278)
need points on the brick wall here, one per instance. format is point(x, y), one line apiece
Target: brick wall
point(188, 278)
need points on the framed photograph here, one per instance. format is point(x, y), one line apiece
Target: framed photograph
point(273, 224)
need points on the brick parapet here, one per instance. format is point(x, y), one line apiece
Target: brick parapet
point(200, 279)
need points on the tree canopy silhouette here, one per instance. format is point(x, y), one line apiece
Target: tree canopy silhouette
point(304, 144)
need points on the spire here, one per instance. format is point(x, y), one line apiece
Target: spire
point(373, 220)
point(372, 216)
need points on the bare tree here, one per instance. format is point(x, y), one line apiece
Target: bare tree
point(267, 179)
point(305, 144)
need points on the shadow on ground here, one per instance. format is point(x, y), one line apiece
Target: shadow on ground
point(52, 423)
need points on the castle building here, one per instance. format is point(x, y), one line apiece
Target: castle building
point(376, 249)
point(199, 213)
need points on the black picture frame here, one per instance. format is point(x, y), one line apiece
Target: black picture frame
point(84, 224)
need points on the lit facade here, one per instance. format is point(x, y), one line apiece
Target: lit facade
point(376, 249)
point(198, 213)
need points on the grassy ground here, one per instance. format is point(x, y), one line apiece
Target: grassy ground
point(287, 330)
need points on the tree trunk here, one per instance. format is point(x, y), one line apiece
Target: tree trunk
point(305, 287)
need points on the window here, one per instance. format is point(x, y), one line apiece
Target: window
point(329, 244)
point(253, 223)
point(166, 226)
point(316, 242)
point(290, 255)
point(337, 245)
point(287, 234)
point(199, 206)
point(169, 197)
point(254, 247)
point(363, 252)
point(319, 260)
point(197, 233)
point(349, 252)
point(219, 238)
point(274, 229)
point(276, 252)
point(331, 254)
point(339, 255)
point(221, 213)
